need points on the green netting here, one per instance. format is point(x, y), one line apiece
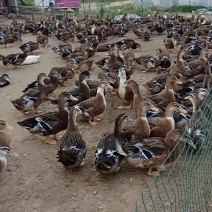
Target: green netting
point(187, 184)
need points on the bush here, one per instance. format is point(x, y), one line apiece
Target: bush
point(184, 8)
point(28, 3)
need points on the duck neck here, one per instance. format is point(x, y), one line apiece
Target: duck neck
point(112, 58)
point(141, 112)
point(141, 121)
point(118, 128)
point(3, 162)
point(169, 85)
point(72, 126)
point(180, 55)
point(41, 84)
point(54, 80)
point(171, 140)
point(169, 112)
point(122, 79)
point(61, 103)
point(196, 102)
point(135, 89)
point(100, 94)
point(84, 88)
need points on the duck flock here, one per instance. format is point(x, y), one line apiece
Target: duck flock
point(147, 137)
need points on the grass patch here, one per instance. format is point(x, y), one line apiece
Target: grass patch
point(184, 8)
point(28, 3)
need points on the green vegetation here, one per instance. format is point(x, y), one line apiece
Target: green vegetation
point(184, 8)
point(28, 3)
point(119, 10)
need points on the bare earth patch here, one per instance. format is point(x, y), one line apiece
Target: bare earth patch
point(35, 181)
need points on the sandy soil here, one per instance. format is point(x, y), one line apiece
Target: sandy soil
point(35, 181)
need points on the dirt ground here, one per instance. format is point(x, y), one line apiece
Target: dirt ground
point(35, 181)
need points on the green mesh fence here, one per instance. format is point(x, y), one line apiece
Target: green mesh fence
point(187, 184)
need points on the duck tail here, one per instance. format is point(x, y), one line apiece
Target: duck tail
point(119, 149)
point(66, 158)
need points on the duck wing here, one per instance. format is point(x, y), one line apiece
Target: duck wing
point(44, 123)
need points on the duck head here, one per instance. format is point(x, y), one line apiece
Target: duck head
point(4, 125)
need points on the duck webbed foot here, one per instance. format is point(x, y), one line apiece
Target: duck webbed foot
point(92, 121)
point(26, 112)
point(50, 97)
point(113, 91)
point(161, 168)
point(38, 111)
point(49, 141)
point(56, 137)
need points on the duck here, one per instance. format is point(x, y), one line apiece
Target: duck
point(127, 56)
point(160, 27)
point(169, 44)
point(96, 105)
point(31, 59)
point(58, 48)
point(42, 40)
point(167, 95)
point(5, 39)
point(108, 62)
point(128, 43)
point(29, 47)
point(164, 58)
point(107, 158)
point(105, 47)
point(140, 128)
point(121, 30)
point(103, 63)
point(32, 98)
point(65, 36)
point(78, 62)
point(148, 62)
point(160, 126)
point(49, 123)
point(63, 73)
point(72, 145)
point(114, 64)
point(138, 31)
point(5, 148)
point(196, 98)
point(81, 93)
point(14, 59)
point(157, 83)
point(194, 67)
point(50, 83)
point(137, 97)
point(124, 92)
point(4, 80)
point(150, 153)
point(147, 34)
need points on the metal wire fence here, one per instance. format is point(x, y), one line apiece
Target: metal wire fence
point(187, 186)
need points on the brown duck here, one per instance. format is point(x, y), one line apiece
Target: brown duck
point(33, 97)
point(49, 123)
point(140, 128)
point(95, 105)
point(160, 126)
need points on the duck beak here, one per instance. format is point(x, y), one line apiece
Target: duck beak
point(9, 127)
point(178, 82)
point(182, 110)
point(109, 86)
point(155, 109)
point(125, 84)
point(73, 98)
point(129, 119)
point(189, 142)
point(13, 153)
